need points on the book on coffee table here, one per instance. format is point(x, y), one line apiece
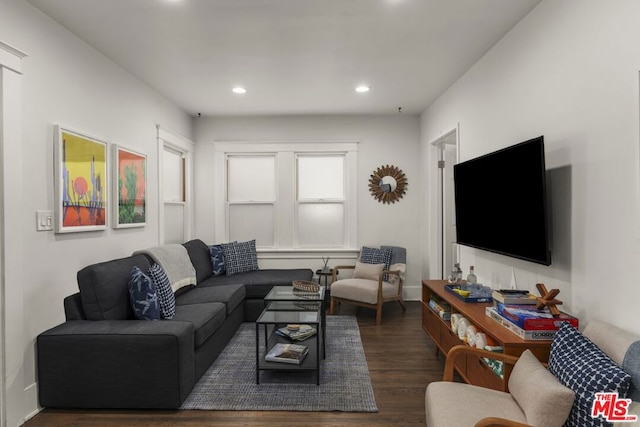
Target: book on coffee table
point(287, 353)
point(300, 334)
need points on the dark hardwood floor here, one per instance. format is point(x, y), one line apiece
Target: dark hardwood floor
point(401, 361)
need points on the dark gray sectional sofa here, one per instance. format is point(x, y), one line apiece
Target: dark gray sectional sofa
point(101, 357)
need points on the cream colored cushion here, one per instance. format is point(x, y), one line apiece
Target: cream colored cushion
point(367, 271)
point(449, 404)
point(402, 268)
point(544, 400)
point(362, 290)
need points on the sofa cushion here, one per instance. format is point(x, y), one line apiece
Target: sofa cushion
point(362, 290)
point(451, 404)
point(206, 319)
point(376, 256)
point(543, 399)
point(580, 365)
point(104, 289)
point(217, 260)
point(143, 296)
point(258, 283)
point(231, 295)
point(199, 254)
point(240, 257)
point(163, 288)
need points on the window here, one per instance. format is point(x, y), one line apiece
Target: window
point(321, 200)
point(251, 198)
point(287, 196)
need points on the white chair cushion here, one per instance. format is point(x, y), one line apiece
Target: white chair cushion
point(544, 400)
point(367, 271)
point(362, 290)
point(451, 404)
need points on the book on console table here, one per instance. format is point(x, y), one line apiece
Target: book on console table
point(529, 318)
point(441, 308)
point(287, 353)
point(535, 335)
point(514, 297)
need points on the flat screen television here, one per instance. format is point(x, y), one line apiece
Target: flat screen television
point(501, 202)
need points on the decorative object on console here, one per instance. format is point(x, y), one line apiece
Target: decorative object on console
point(81, 196)
point(325, 268)
point(548, 299)
point(130, 187)
point(387, 184)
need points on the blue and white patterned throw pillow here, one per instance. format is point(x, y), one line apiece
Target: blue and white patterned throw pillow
point(376, 256)
point(581, 366)
point(143, 296)
point(240, 257)
point(163, 289)
point(217, 259)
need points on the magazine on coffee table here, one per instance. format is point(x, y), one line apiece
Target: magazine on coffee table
point(300, 334)
point(287, 353)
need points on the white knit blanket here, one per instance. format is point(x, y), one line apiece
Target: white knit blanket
point(174, 260)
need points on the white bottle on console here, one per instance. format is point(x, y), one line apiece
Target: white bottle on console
point(471, 278)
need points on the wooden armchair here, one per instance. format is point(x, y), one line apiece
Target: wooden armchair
point(463, 350)
point(369, 288)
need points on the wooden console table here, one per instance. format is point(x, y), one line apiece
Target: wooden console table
point(471, 369)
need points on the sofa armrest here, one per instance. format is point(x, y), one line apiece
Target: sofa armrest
point(116, 364)
point(464, 349)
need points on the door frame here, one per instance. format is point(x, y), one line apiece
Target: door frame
point(176, 142)
point(12, 390)
point(447, 139)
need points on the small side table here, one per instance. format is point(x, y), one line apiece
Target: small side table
point(324, 274)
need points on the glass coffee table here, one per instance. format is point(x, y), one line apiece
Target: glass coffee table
point(284, 306)
point(299, 300)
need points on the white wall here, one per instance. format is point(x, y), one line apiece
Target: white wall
point(568, 71)
point(67, 82)
point(384, 139)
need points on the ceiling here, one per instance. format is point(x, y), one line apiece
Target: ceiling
point(292, 56)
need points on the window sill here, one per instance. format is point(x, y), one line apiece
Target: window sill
point(269, 253)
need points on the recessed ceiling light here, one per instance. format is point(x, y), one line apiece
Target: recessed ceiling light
point(239, 90)
point(363, 88)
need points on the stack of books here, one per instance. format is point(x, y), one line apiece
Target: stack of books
point(517, 313)
point(287, 353)
point(299, 333)
point(440, 307)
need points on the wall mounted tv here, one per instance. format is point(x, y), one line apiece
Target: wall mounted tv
point(501, 202)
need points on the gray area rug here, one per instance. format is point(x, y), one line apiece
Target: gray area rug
point(345, 385)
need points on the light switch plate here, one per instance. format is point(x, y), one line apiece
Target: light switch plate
point(44, 220)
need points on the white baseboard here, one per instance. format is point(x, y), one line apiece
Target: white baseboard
point(31, 407)
point(412, 293)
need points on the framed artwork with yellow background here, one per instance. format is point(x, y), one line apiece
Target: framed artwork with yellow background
point(81, 182)
point(130, 188)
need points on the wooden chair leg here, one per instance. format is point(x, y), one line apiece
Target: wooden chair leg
point(379, 314)
point(331, 307)
point(402, 305)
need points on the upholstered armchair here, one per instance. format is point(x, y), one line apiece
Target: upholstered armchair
point(377, 278)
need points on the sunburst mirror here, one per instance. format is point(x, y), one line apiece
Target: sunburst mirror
point(388, 184)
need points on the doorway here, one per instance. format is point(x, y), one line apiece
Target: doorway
point(447, 147)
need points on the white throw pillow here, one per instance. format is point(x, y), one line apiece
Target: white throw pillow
point(367, 271)
point(544, 400)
